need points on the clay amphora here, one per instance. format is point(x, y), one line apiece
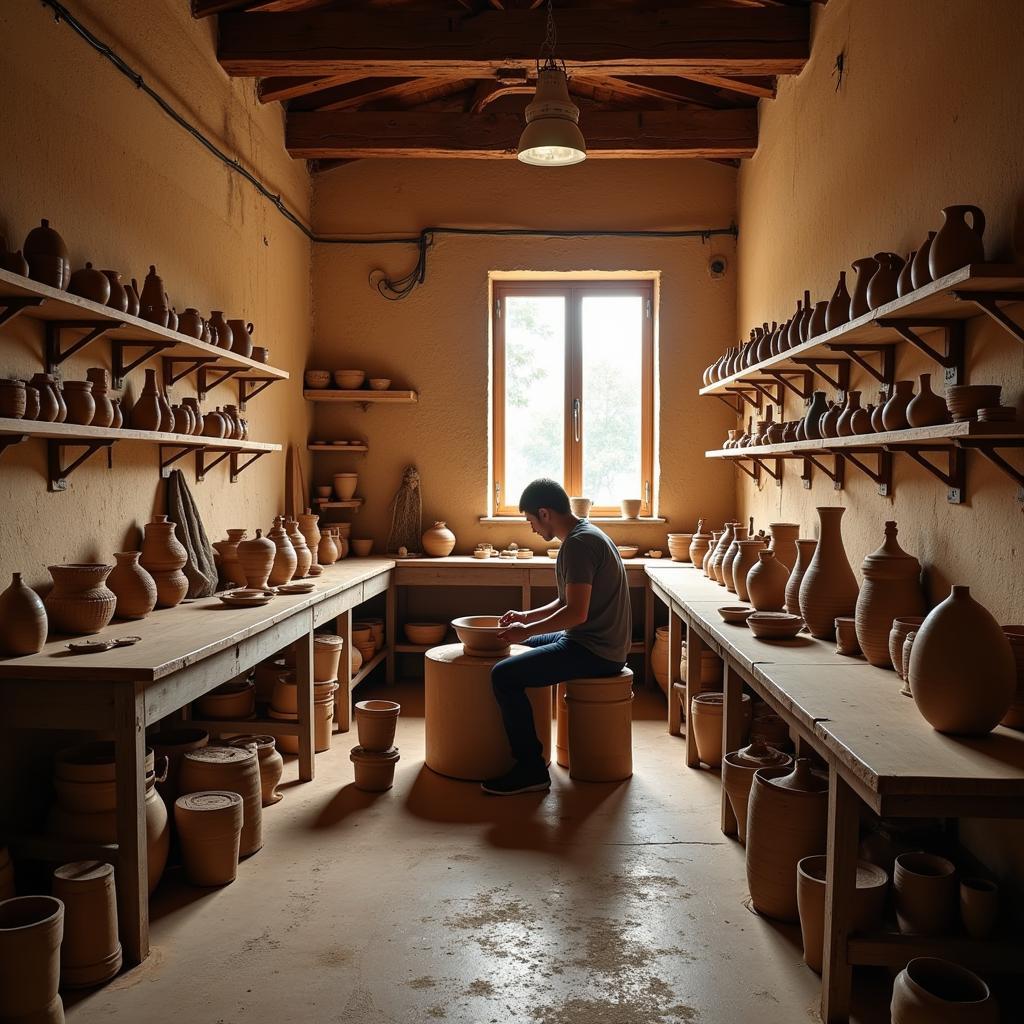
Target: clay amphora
point(927, 408)
point(327, 550)
point(786, 821)
point(90, 953)
point(812, 418)
point(80, 601)
point(933, 991)
point(49, 407)
point(725, 570)
point(222, 335)
point(962, 672)
point(894, 414)
point(209, 826)
point(103, 414)
point(876, 414)
point(256, 557)
point(285, 559)
point(816, 324)
point(90, 284)
point(147, 413)
point(828, 425)
point(901, 628)
point(829, 588)
point(191, 323)
point(718, 555)
point(163, 557)
point(844, 425)
point(31, 930)
point(783, 542)
point(80, 404)
point(804, 553)
point(22, 619)
point(766, 583)
point(304, 557)
point(738, 769)
point(438, 541)
point(882, 287)
point(866, 268)
point(956, 245)
point(118, 298)
point(905, 282)
point(133, 585)
point(153, 304)
point(241, 337)
point(920, 273)
point(236, 770)
point(891, 589)
point(47, 256)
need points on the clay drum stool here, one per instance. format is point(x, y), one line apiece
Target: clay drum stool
point(599, 715)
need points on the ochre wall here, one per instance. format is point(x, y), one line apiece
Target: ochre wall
point(436, 340)
point(126, 188)
point(927, 115)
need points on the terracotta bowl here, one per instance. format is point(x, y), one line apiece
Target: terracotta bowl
point(380, 383)
point(628, 550)
point(631, 507)
point(349, 380)
point(774, 625)
point(324, 491)
point(735, 612)
point(479, 634)
point(318, 378)
point(964, 400)
point(425, 632)
point(362, 546)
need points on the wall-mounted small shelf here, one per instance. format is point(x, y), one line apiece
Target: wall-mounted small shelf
point(331, 503)
point(361, 397)
point(327, 446)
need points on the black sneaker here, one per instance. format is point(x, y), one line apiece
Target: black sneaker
point(520, 780)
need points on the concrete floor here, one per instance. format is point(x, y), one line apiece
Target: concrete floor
point(594, 904)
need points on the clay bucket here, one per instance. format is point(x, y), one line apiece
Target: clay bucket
point(706, 720)
point(374, 769)
point(285, 695)
point(286, 744)
point(31, 929)
point(210, 829)
point(90, 953)
point(926, 894)
point(326, 657)
point(737, 778)
point(234, 769)
point(376, 721)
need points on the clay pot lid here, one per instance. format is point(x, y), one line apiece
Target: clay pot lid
point(260, 742)
point(11, 382)
point(220, 755)
point(374, 756)
point(890, 557)
point(758, 754)
point(713, 699)
point(802, 779)
point(85, 872)
point(328, 640)
point(217, 800)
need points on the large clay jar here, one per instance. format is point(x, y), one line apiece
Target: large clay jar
point(866, 268)
point(90, 284)
point(230, 566)
point(705, 719)
point(744, 561)
point(147, 413)
point(163, 557)
point(882, 287)
point(891, 588)
point(766, 583)
point(786, 821)
point(209, 825)
point(957, 244)
point(933, 991)
point(962, 671)
point(327, 550)
point(285, 559)
point(309, 529)
point(699, 545)
point(926, 408)
point(81, 405)
point(804, 553)
point(235, 769)
point(133, 585)
point(725, 570)
point(829, 588)
point(271, 765)
point(223, 336)
point(812, 418)
point(190, 323)
point(47, 256)
point(1014, 718)
point(22, 619)
point(153, 304)
point(31, 929)
point(828, 425)
point(241, 337)
point(920, 272)
point(894, 415)
point(926, 890)
point(718, 555)
point(837, 312)
point(80, 601)
point(303, 556)
point(901, 627)
point(103, 408)
point(438, 541)
point(738, 769)
point(90, 953)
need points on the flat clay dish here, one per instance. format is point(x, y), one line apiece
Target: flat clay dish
point(299, 587)
point(246, 598)
point(735, 612)
point(774, 625)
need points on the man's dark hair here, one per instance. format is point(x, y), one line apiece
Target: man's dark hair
point(544, 493)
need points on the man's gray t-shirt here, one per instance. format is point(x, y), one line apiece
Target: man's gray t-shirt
point(589, 556)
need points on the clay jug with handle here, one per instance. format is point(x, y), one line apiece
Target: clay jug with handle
point(884, 284)
point(241, 337)
point(866, 268)
point(957, 243)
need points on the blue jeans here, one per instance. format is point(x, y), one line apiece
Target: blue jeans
point(554, 659)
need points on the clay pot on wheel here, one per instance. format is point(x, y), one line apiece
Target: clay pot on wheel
point(933, 991)
point(738, 769)
point(23, 620)
point(829, 588)
point(31, 929)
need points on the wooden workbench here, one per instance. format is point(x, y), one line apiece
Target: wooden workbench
point(879, 750)
point(184, 652)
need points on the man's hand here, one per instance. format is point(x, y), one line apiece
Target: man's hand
point(512, 618)
point(514, 634)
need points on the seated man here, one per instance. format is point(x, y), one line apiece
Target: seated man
point(586, 631)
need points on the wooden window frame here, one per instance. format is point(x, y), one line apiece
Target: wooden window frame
point(574, 290)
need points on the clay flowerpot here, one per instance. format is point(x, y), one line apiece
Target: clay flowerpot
point(153, 305)
point(744, 561)
point(933, 991)
point(163, 557)
point(374, 770)
point(90, 953)
point(47, 256)
point(866, 268)
point(872, 883)
point(326, 657)
point(679, 546)
point(376, 721)
point(846, 636)
point(805, 552)
point(891, 589)
point(285, 559)
point(926, 408)
point(271, 765)
point(209, 825)
point(766, 583)
point(882, 287)
point(303, 556)
point(957, 243)
point(786, 821)
point(31, 929)
point(80, 404)
point(23, 620)
point(738, 769)
point(829, 588)
point(221, 334)
point(90, 284)
point(345, 485)
point(920, 272)
point(926, 889)
point(235, 769)
point(962, 671)
point(705, 718)
point(812, 418)
point(438, 541)
point(894, 415)
point(147, 413)
point(134, 587)
point(80, 601)
point(241, 337)
point(901, 627)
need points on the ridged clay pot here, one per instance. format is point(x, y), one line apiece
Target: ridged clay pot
point(326, 657)
point(829, 588)
point(47, 256)
point(31, 929)
point(738, 769)
point(80, 601)
point(285, 558)
point(962, 671)
point(894, 414)
point(933, 991)
point(744, 561)
point(134, 587)
point(805, 552)
point(926, 889)
point(163, 557)
point(438, 541)
point(957, 243)
point(23, 621)
point(766, 583)
point(926, 408)
point(303, 556)
point(374, 770)
point(891, 589)
point(271, 765)
point(866, 268)
point(209, 825)
point(13, 398)
point(90, 953)
point(256, 558)
point(235, 769)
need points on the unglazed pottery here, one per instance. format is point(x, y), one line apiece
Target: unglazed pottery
point(285, 558)
point(812, 418)
point(933, 991)
point(147, 413)
point(326, 656)
point(766, 583)
point(962, 671)
point(925, 887)
point(271, 765)
point(580, 507)
point(920, 273)
point(374, 770)
point(134, 587)
point(926, 408)
point(13, 401)
point(163, 557)
point(31, 930)
point(846, 636)
point(837, 312)
point(828, 588)
point(221, 333)
point(738, 769)
point(327, 551)
point(438, 541)
point(866, 268)
point(699, 545)
point(90, 953)
point(49, 405)
point(376, 721)
point(209, 825)
point(894, 415)
point(303, 556)
point(80, 601)
point(905, 282)
point(349, 380)
point(345, 485)
point(897, 635)
point(23, 620)
point(718, 555)
point(47, 256)
point(679, 545)
point(309, 529)
point(957, 243)
point(705, 719)
point(479, 635)
point(191, 323)
point(103, 408)
point(81, 407)
point(745, 560)
point(153, 305)
point(882, 287)
point(725, 569)
point(241, 337)
point(979, 906)
point(171, 745)
point(805, 552)
point(235, 769)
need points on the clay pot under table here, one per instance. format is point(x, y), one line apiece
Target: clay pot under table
point(711, 669)
point(209, 825)
point(438, 541)
point(90, 953)
point(31, 929)
point(770, 729)
point(228, 768)
point(957, 243)
point(897, 635)
point(256, 559)
point(659, 657)
point(163, 557)
point(172, 745)
point(374, 769)
point(706, 721)
point(828, 588)
point(285, 558)
point(926, 408)
point(271, 765)
point(23, 621)
point(872, 883)
point(80, 601)
point(738, 767)
point(933, 991)
point(1014, 718)
point(326, 656)
point(766, 583)
point(233, 700)
point(13, 398)
point(962, 670)
point(746, 558)
point(804, 553)
point(133, 586)
point(891, 589)
point(376, 721)
point(786, 821)
point(323, 719)
point(286, 744)
point(925, 887)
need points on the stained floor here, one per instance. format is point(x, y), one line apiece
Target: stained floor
point(594, 904)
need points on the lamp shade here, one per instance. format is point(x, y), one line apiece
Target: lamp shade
point(552, 137)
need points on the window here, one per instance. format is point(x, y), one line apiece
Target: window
point(573, 395)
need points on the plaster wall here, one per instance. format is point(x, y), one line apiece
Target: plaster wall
point(436, 340)
point(127, 188)
point(925, 116)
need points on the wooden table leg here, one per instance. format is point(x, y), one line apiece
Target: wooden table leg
point(694, 651)
point(343, 696)
point(840, 897)
point(132, 866)
point(648, 633)
point(390, 634)
point(675, 652)
point(732, 734)
point(304, 696)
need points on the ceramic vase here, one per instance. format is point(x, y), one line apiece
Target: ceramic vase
point(80, 601)
point(103, 408)
point(844, 424)
point(744, 561)
point(327, 551)
point(891, 589)
point(118, 298)
point(812, 418)
point(271, 765)
point(31, 930)
point(241, 337)
point(303, 556)
point(209, 825)
point(725, 570)
point(49, 406)
point(23, 620)
point(81, 407)
point(804, 553)
point(231, 567)
point(894, 415)
point(738, 768)
point(828, 425)
point(766, 583)
point(699, 545)
point(153, 305)
point(816, 321)
point(905, 282)
point(957, 243)
point(926, 408)
point(866, 268)
point(783, 542)
point(705, 564)
point(222, 335)
point(47, 256)
point(163, 557)
point(190, 323)
point(438, 541)
point(90, 284)
point(897, 635)
point(285, 558)
point(256, 558)
point(90, 953)
point(134, 587)
point(920, 272)
point(308, 526)
point(718, 555)
point(882, 287)
point(925, 889)
point(933, 991)
point(962, 671)
point(837, 312)
point(829, 588)
point(147, 413)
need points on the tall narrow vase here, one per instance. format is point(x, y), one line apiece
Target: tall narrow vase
point(829, 588)
point(804, 553)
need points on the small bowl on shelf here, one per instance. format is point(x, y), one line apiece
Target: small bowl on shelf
point(774, 625)
point(425, 632)
point(964, 400)
point(479, 634)
point(736, 613)
point(627, 550)
point(553, 552)
point(380, 383)
point(631, 507)
point(318, 378)
point(349, 380)
point(361, 546)
point(524, 553)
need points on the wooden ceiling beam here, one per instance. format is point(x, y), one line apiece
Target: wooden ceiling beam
point(344, 135)
point(761, 87)
point(206, 8)
point(665, 90)
point(693, 41)
point(271, 90)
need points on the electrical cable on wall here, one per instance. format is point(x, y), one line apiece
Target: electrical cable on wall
point(390, 288)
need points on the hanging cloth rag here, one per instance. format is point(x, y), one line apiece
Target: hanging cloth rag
point(200, 569)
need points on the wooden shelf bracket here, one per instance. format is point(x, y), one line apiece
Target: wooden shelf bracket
point(191, 364)
point(169, 455)
point(952, 360)
point(989, 450)
point(749, 395)
point(955, 476)
point(764, 462)
point(788, 379)
point(238, 467)
point(884, 373)
point(753, 470)
point(59, 471)
point(208, 377)
point(882, 474)
point(202, 466)
point(836, 474)
point(987, 302)
point(6, 440)
point(839, 378)
point(737, 407)
point(13, 305)
point(119, 368)
point(94, 329)
point(250, 387)
point(771, 389)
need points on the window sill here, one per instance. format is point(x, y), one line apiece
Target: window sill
point(641, 520)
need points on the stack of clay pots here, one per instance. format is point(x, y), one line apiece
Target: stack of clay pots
point(738, 768)
point(706, 711)
point(209, 824)
point(85, 782)
point(91, 952)
point(363, 641)
point(271, 765)
point(679, 546)
point(376, 755)
point(31, 929)
point(323, 714)
point(172, 745)
point(234, 769)
point(327, 650)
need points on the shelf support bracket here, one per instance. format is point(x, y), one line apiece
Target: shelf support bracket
point(885, 373)
point(748, 395)
point(737, 407)
point(168, 460)
point(771, 389)
point(882, 475)
point(119, 369)
point(192, 363)
point(59, 471)
point(753, 470)
point(786, 379)
point(202, 466)
point(238, 467)
point(841, 370)
point(14, 305)
point(988, 449)
point(836, 474)
point(247, 393)
point(776, 473)
point(7, 440)
point(94, 329)
point(952, 360)
point(986, 301)
point(955, 476)
point(208, 377)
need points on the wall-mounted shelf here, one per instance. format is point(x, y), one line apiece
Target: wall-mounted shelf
point(327, 446)
point(331, 503)
point(361, 397)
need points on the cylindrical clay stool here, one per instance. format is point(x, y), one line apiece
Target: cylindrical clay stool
point(90, 953)
point(599, 727)
point(465, 737)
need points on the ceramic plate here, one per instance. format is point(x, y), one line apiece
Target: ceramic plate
point(246, 598)
point(299, 587)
